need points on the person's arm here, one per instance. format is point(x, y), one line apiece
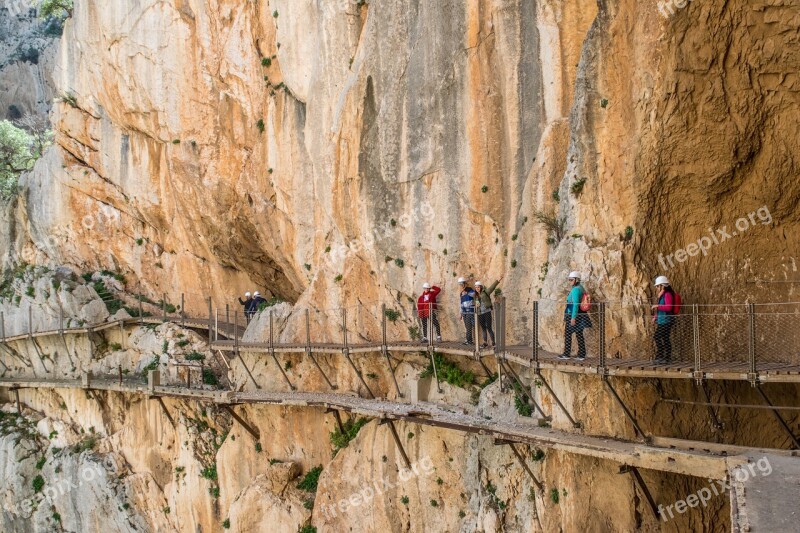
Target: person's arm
point(667, 305)
point(240, 301)
point(435, 290)
point(492, 287)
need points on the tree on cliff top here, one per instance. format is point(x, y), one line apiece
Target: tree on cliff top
point(19, 150)
point(60, 9)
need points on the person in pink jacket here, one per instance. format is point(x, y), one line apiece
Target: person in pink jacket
point(427, 307)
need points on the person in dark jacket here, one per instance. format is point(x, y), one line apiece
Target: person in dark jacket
point(575, 320)
point(247, 303)
point(467, 297)
point(484, 297)
point(664, 319)
point(427, 307)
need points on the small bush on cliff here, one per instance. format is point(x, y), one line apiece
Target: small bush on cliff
point(19, 150)
point(60, 9)
point(555, 226)
point(310, 480)
point(449, 372)
point(38, 483)
point(341, 439)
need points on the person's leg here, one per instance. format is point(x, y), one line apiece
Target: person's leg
point(668, 342)
point(482, 324)
point(581, 342)
point(658, 337)
point(567, 339)
point(489, 326)
point(436, 325)
point(424, 327)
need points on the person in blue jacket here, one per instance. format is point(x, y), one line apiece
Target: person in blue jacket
point(575, 320)
point(467, 296)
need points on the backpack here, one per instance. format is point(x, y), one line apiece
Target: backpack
point(676, 303)
point(586, 302)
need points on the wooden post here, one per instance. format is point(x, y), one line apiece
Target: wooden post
point(210, 320)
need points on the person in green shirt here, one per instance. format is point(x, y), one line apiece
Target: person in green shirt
point(484, 297)
point(575, 320)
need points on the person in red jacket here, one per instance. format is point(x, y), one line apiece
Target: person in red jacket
point(426, 307)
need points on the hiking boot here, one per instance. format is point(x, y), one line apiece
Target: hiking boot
point(438, 338)
point(484, 345)
point(581, 358)
point(424, 339)
point(563, 356)
point(466, 343)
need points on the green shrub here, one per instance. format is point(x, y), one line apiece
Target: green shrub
point(226, 524)
point(577, 187)
point(59, 9)
point(209, 473)
point(40, 463)
point(260, 125)
point(266, 62)
point(152, 365)
point(603, 103)
point(399, 262)
point(310, 480)
point(209, 377)
point(307, 529)
point(554, 496)
point(195, 356)
point(555, 226)
point(485, 188)
point(522, 405)
point(449, 372)
point(392, 315)
point(352, 426)
point(38, 483)
point(404, 500)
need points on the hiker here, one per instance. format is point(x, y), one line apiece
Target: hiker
point(664, 319)
point(484, 296)
point(248, 304)
point(427, 307)
point(575, 319)
point(467, 296)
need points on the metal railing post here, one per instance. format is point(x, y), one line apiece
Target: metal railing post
point(751, 344)
point(227, 313)
point(535, 348)
point(476, 329)
point(3, 326)
point(164, 306)
point(141, 313)
point(271, 337)
point(384, 346)
point(696, 339)
point(210, 319)
point(183, 310)
point(429, 319)
point(60, 319)
point(236, 332)
point(308, 331)
point(344, 330)
point(602, 319)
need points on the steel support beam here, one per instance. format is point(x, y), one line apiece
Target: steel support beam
point(166, 411)
point(637, 477)
point(779, 418)
point(397, 442)
point(247, 427)
point(715, 423)
point(625, 409)
point(338, 417)
point(523, 463)
point(564, 410)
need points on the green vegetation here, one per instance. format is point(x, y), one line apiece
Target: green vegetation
point(413, 332)
point(307, 529)
point(410, 435)
point(628, 234)
point(513, 263)
point(434, 503)
point(307, 266)
point(152, 365)
point(522, 405)
point(183, 342)
point(538, 455)
point(352, 426)
point(115, 346)
point(338, 278)
point(38, 483)
point(485, 188)
point(399, 262)
point(577, 187)
point(514, 237)
point(260, 449)
point(113, 304)
point(308, 504)
point(209, 377)
point(441, 236)
point(59, 9)
point(404, 500)
point(392, 315)
point(449, 372)
point(209, 473)
point(495, 501)
point(260, 125)
point(214, 491)
point(195, 356)
point(555, 226)
point(19, 150)
point(40, 463)
point(266, 62)
point(310, 480)
point(226, 524)
point(603, 103)
point(30, 291)
point(88, 443)
point(56, 517)
point(554, 496)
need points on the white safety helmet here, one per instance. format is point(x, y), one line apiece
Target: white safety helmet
point(574, 275)
point(478, 284)
point(426, 285)
point(247, 295)
point(257, 293)
point(462, 280)
point(662, 280)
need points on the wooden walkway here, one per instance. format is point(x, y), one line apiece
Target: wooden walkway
point(692, 458)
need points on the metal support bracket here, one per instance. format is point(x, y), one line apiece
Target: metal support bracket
point(528, 391)
point(523, 463)
point(346, 353)
point(397, 442)
point(715, 423)
point(625, 409)
point(779, 418)
point(247, 427)
point(575, 423)
point(338, 418)
point(310, 355)
point(637, 477)
point(164, 408)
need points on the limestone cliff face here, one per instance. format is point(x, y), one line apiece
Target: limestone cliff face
point(214, 146)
